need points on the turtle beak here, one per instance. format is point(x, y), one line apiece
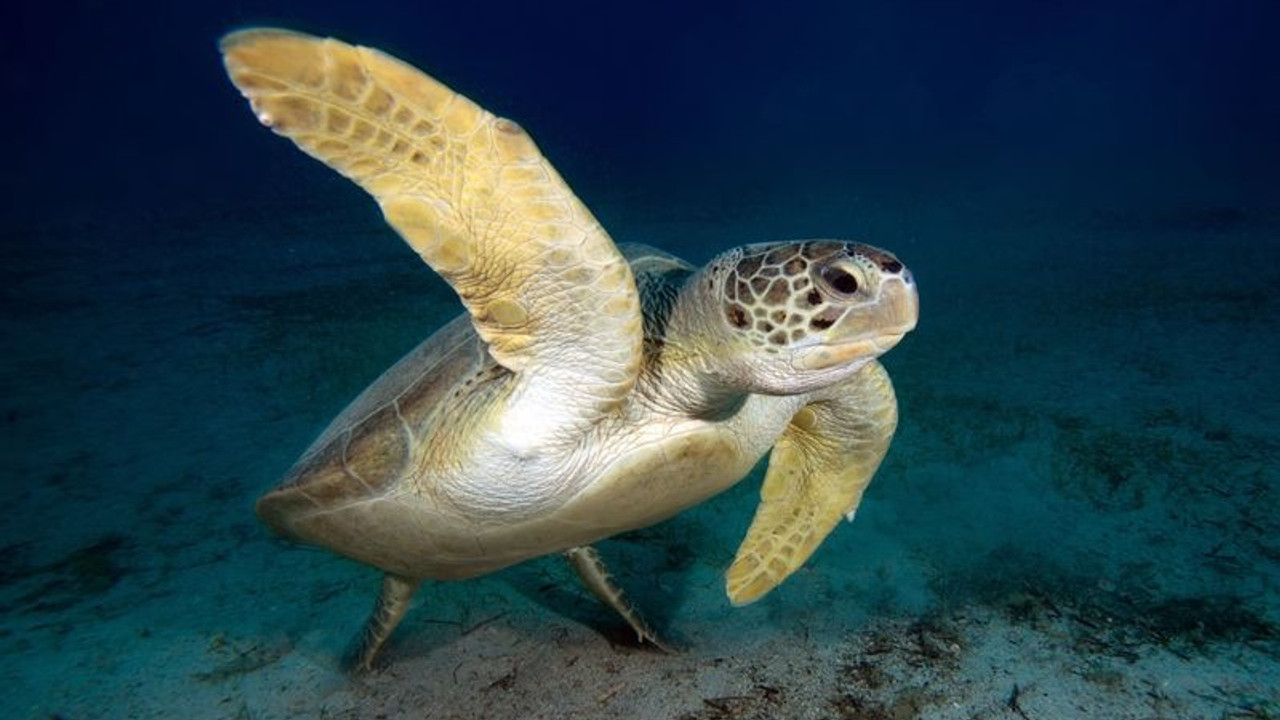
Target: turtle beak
point(899, 304)
point(892, 312)
point(869, 329)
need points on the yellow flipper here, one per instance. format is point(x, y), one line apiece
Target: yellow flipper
point(817, 473)
point(471, 193)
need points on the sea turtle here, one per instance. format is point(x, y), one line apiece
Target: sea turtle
point(586, 391)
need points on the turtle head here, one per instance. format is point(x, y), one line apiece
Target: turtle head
point(802, 315)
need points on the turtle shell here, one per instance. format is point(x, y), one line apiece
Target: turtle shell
point(363, 454)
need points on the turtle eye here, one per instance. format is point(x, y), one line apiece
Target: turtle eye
point(840, 280)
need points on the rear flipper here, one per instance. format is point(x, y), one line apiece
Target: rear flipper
point(590, 568)
point(393, 601)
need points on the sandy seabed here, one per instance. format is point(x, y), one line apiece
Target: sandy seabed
point(1077, 519)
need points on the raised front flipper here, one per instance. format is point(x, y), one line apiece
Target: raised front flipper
point(817, 473)
point(471, 193)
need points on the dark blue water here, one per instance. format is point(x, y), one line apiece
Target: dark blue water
point(1086, 192)
point(1091, 100)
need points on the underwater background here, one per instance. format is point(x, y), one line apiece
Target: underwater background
point(1078, 517)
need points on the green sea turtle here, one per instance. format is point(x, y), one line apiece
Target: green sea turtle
point(586, 391)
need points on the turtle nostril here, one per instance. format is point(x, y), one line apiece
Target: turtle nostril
point(908, 278)
point(840, 280)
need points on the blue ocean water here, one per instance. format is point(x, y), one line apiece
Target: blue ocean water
point(1077, 518)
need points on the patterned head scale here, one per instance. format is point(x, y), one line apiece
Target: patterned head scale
point(787, 293)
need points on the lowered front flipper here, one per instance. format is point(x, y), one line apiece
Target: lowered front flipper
point(817, 473)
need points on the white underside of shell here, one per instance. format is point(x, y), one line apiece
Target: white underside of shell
point(523, 466)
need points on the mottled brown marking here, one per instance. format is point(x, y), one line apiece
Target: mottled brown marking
point(883, 260)
point(822, 251)
point(759, 285)
point(778, 293)
point(794, 266)
point(779, 255)
point(749, 265)
point(779, 338)
point(737, 315)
